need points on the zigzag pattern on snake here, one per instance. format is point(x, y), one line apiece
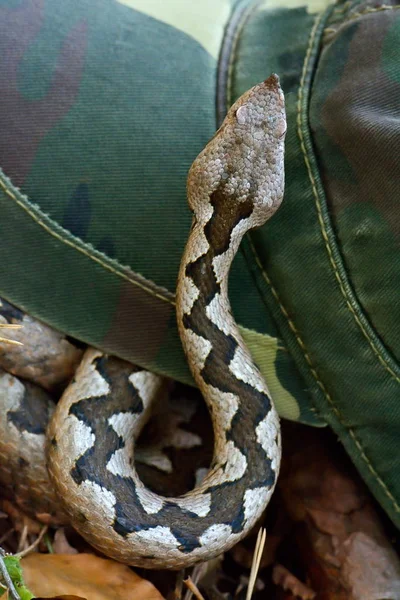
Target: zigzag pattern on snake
point(235, 184)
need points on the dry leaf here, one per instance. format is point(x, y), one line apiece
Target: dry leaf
point(282, 577)
point(166, 432)
point(84, 575)
point(343, 543)
point(68, 597)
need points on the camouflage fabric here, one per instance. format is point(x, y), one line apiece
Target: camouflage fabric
point(103, 107)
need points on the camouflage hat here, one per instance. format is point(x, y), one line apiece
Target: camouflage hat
point(104, 106)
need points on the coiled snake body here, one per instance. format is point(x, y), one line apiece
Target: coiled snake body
point(235, 184)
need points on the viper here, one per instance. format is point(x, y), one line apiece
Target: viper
point(235, 184)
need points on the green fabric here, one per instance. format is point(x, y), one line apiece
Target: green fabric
point(333, 308)
point(102, 142)
point(103, 107)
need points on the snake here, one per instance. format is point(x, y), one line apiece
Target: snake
point(234, 185)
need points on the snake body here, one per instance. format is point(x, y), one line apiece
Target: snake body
point(235, 184)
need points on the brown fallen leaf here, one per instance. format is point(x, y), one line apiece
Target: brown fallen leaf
point(84, 575)
point(345, 547)
point(165, 430)
point(177, 441)
point(282, 577)
point(68, 597)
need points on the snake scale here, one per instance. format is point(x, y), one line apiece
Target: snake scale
point(235, 184)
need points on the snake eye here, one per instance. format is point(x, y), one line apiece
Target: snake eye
point(241, 115)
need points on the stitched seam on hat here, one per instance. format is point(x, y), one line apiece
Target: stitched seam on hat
point(246, 16)
point(342, 9)
point(87, 253)
point(299, 340)
point(356, 15)
point(320, 383)
point(68, 240)
point(336, 411)
point(233, 27)
point(324, 232)
point(290, 322)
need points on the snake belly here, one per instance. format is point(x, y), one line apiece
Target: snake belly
point(234, 185)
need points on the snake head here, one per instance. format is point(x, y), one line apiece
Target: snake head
point(244, 161)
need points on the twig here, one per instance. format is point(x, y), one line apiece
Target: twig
point(12, 342)
point(35, 543)
point(177, 593)
point(255, 565)
point(196, 575)
point(10, 326)
point(193, 588)
point(23, 538)
point(49, 545)
point(7, 579)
